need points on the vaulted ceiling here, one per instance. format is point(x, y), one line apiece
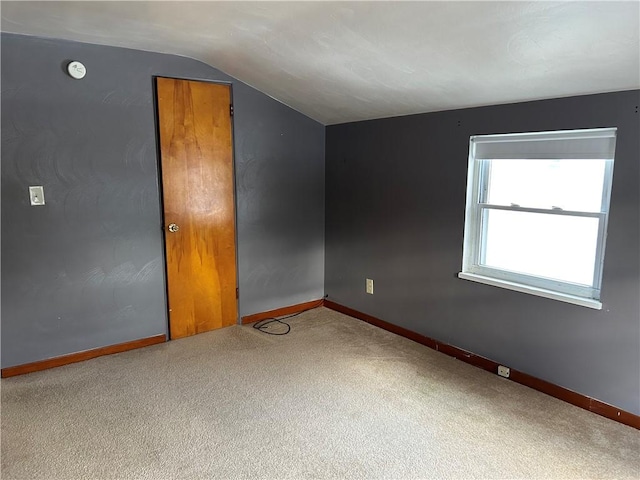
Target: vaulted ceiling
point(345, 61)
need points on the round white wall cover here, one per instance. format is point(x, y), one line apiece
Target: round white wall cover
point(77, 70)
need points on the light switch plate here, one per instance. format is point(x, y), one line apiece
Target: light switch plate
point(36, 195)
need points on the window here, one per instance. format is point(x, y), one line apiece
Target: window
point(537, 209)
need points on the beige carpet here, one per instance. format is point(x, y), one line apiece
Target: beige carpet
point(336, 398)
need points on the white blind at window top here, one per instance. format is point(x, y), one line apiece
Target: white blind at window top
point(575, 144)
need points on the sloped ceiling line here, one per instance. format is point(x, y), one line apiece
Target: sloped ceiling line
point(347, 61)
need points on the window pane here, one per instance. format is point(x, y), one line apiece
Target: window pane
point(567, 184)
point(560, 247)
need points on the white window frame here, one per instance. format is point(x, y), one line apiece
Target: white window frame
point(564, 144)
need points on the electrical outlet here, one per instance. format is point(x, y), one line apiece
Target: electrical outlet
point(504, 371)
point(369, 286)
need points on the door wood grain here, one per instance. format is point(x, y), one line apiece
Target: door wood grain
point(198, 197)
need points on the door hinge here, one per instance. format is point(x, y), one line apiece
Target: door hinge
point(237, 292)
point(231, 110)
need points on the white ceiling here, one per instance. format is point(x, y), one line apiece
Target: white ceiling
point(344, 61)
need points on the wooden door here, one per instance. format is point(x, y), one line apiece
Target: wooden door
point(199, 216)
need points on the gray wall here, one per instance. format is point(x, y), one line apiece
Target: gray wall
point(86, 270)
point(395, 213)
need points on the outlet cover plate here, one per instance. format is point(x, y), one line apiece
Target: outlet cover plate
point(369, 286)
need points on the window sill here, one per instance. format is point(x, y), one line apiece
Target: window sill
point(518, 287)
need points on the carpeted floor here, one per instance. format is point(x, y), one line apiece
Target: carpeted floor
point(336, 398)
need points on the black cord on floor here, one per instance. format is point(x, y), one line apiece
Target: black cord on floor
point(269, 321)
